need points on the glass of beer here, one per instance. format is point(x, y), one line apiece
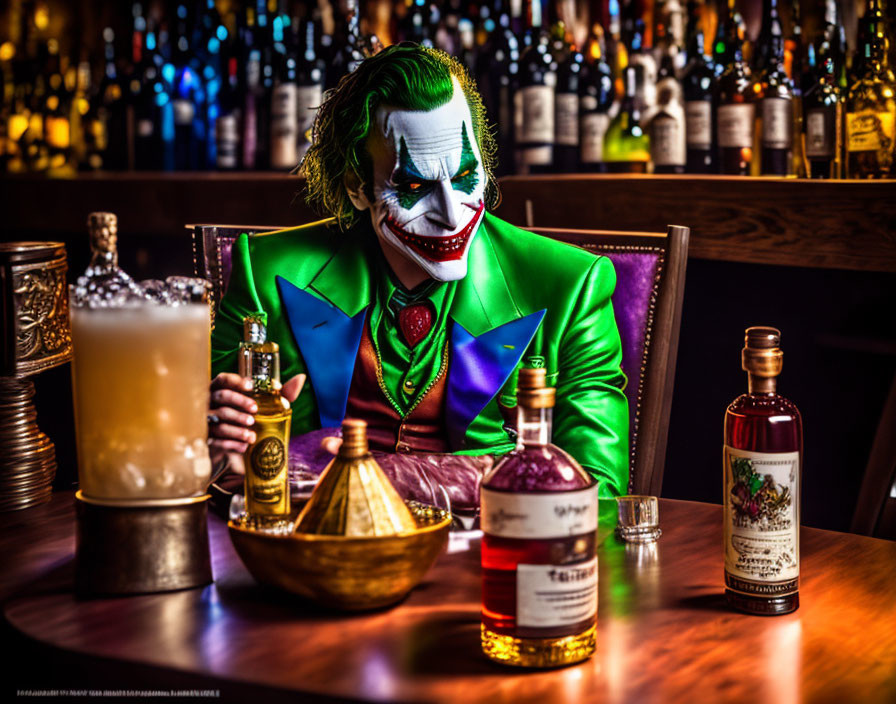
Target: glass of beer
point(140, 384)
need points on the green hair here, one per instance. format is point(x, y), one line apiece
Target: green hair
point(405, 76)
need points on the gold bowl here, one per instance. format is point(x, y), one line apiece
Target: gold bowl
point(350, 573)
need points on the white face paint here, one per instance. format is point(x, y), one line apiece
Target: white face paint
point(428, 185)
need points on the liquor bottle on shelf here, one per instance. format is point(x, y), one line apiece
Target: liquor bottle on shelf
point(539, 571)
point(250, 88)
point(310, 78)
point(185, 96)
point(697, 83)
point(834, 43)
point(641, 57)
point(570, 74)
point(775, 96)
point(93, 142)
point(284, 134)
point(113, 97)
point(794, 53)
point(596, 99)
point(762, 477)
point(730, 32)
point(823, 124)
point(498, 77)
point(735, 115)
point(871, 103)
point(626, 145)
point(534, 101)
point(227, 125)
point(668, 144)
point(267, 468)
point(265, 28)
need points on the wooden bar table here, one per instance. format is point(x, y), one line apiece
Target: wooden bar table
point(665, 634)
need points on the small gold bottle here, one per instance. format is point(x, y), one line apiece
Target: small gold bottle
point(266, 459)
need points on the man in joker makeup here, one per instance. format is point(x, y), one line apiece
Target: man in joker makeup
point(412, 307)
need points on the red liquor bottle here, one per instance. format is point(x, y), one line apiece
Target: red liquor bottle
point(539, 560)
point(763, 455)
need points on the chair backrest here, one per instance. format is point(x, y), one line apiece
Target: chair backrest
point(212, 245)
point(650, 272)
point(875, 512)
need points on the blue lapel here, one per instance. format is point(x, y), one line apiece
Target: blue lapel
point(328, 340)
point(479, 367)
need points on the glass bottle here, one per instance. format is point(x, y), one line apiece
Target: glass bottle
point(735, 115)
point(775, 96)
point(668, 145)
point(626, 145)
point(310, 70)
point(596, 99)
point(539, 523)
point(266, 459)
point(761, 495)
point(871, 103)
point(284, 132)
point(534, 101)
point(697, 83)
point(570, 74)
point(823, 123)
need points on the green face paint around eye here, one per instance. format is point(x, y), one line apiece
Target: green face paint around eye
point(467, 176)
point(410, 186)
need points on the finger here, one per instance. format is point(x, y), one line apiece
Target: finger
point(226, 414)
point(231, 432)
point(217, 446)
point(292, 388)
point(226, 380)
point(226, 397)
point(331, 445)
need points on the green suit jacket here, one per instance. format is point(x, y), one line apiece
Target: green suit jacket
point(525, 297)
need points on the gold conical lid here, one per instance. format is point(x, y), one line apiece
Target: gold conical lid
point(354, 497)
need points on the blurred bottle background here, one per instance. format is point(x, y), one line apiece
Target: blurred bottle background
point(776, 87)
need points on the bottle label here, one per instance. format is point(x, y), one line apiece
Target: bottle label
point(567, 119)
point(558, 514)
point(667, 142)
point(534, 115)
point(820, 133)
point(184, 111)
point(594, 127)
point(736, 125)
point(698, 124)
point(227, 141)
point(870, 131)
point(761, 506)
point(548, 596)
point(308, 100)
point(777, 123)
point(284, 126)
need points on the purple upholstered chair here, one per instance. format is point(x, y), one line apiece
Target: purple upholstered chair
point(650, 269)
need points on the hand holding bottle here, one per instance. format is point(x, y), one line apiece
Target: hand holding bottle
point(232, 413)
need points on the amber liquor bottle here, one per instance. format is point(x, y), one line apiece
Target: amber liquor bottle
point(539, 560)
point(266, 459)
point(762, 467)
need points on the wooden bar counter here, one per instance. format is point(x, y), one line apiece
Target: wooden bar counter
point(665, 634)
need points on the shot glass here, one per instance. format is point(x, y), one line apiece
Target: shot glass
point(639, 519)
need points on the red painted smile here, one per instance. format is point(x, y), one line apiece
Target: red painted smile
point(438, 249)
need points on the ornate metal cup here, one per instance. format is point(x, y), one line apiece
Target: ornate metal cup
point(36, 336)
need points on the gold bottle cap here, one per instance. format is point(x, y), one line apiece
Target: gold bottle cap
point(103, 231)
point(762, 355)
point(531, 389)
